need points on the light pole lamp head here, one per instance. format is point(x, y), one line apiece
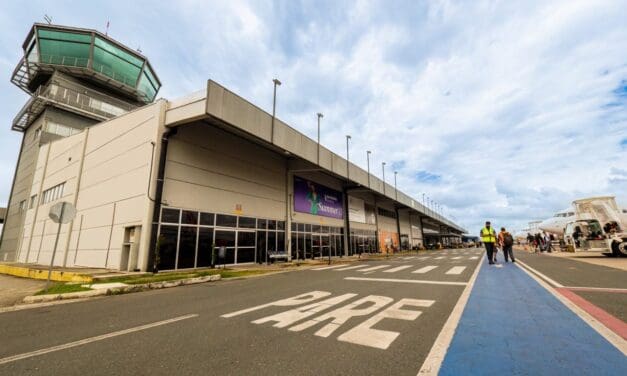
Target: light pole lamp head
point(368, 152)
point(348, 136)
point(276, 81)
point(320, 115)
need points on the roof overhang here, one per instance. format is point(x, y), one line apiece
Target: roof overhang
point(221, 107)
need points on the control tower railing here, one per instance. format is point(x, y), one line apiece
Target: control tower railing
point(83, 102)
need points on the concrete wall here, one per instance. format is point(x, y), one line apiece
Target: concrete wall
point(14, 223)
point(109, 166)
point(416, 231)
point(211, 170)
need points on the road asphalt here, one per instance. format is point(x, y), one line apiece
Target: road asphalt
point(375, 317)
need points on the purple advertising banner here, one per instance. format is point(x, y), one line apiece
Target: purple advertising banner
point(316, 199)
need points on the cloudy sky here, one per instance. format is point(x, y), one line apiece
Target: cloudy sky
point(498, 110)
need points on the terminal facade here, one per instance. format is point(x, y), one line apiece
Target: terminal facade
point(162, 184)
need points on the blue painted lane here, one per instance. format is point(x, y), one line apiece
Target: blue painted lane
point(512, 326)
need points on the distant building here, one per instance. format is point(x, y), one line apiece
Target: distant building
point(165, 183)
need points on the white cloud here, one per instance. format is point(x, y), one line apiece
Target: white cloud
point(515, 106)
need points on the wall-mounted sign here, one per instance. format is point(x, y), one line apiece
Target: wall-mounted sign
point(316, 199)
point(356, 210)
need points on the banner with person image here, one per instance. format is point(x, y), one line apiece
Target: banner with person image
point(316, 199)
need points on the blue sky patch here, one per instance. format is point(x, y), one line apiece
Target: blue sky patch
point(427, 177)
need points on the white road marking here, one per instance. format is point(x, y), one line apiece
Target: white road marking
point(417, 281)
point(296, 300)
point(341, 315)
point(474, 257)
point(330, 267)
point(424, 258)
point(456, 258)
point(352, 267)
point(549, 280)
point(374, 268)
point(439, 258)
point(93, 339)
point(409, 258)
point(456, 270)
point(434, 359)
point(290, 317)
point(363, 334)
point(425, 269)
point(398, 268)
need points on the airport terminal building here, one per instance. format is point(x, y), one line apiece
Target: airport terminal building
point(164, 183)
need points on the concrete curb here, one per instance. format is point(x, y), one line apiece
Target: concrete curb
point(121, 290)
point(33, 273)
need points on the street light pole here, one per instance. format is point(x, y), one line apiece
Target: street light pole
point(383, 169)
point(368, 162)
point(395, 189)
point(320, 115)
point(276, 83)
point(348, 137)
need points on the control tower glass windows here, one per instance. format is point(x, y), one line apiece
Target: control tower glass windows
point(148, 84)
point(64, 48)
point(116, 63)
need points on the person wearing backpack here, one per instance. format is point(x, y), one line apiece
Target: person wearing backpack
point(506, 241)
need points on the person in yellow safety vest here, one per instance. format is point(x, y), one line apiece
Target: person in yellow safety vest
point(488, 238)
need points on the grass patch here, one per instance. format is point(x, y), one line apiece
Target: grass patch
point(173, 276)
point(63, 288)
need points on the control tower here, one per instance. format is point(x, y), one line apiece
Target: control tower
point(75, 78)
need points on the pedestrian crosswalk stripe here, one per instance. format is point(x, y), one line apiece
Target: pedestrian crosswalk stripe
point(474, 257)
point(352, 267)
point(398, 268)
point(424, 258)
point(329, 267)
point(439, 258)
point(373, 268)
point(456, 270)
point(425, 269)
point(456, 258)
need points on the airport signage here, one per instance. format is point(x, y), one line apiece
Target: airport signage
point(356, 210)
point(316, 199)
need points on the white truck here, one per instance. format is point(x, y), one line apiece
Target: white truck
point(599, 225)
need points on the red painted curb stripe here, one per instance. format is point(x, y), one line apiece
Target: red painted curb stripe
point(615, 291)
point(611, 322)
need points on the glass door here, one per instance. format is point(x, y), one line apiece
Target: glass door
point(325, 245)
point(245, 252)
point(226, 238)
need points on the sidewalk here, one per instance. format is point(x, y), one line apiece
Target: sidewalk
point(513, 326)
point(14, 289)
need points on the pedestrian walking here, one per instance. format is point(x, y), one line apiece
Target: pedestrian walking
point(488, 238)
point(548, 246)
point(506, 241)
point(538, 242)
point(530, 241)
